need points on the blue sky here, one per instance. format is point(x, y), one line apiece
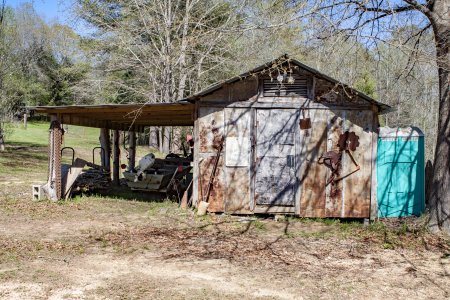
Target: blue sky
point(50, 10)
point(55, 11)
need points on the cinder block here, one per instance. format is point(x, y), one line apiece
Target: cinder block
point(38, 193)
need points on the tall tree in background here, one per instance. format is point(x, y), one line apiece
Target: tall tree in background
point(372, 23)
point(9, 103)
point(162, 50)
point(40, 63)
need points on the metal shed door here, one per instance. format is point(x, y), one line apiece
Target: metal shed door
point(275, 180)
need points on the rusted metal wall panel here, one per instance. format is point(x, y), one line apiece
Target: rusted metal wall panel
point(234, 188)
point(333, 206)
point(356, 187)
point(347, 198)
point(210, 129)
point(313, 175)
point(237, 167)
point(211, 126)
point(237, 197)
point(216, 197)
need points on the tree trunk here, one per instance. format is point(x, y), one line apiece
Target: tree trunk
point(2, 141)
point(116, 157)
point(440, 187)
point(153, 137)
point(131, 150)
point(176, 139)
point(105, 143)
point(166, 139)
point(160, 133)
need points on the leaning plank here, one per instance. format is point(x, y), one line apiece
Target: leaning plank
point(74, 171)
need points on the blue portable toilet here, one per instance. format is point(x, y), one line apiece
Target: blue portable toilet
point(400, 172)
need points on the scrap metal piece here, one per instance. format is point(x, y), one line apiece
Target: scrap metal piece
point(305, 122)
point(348, 141)
point(330, 159)
point(213, 171)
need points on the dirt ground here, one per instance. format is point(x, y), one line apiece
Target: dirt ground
point(107, 248)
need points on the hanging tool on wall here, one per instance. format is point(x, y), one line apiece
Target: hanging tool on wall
point(305, 122)
point(347, 143)
point(218, 145)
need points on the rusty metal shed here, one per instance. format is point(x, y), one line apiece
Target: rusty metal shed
point(268, 163)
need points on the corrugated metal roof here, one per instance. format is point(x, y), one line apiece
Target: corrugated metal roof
point(384, 108)
point(123, 116)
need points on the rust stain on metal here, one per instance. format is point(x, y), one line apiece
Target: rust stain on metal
point(357, 186)
point(211, 125)
point(348, 141)
point(216, 197)
point(313, 179)
point(334, 189)
point(237, 191)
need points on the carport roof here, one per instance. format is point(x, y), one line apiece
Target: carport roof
point(123, 116)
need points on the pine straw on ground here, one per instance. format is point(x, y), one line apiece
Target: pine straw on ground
point(249, 247)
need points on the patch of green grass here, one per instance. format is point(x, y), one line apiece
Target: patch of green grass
point(37, 134)
point(31, 161)
point(259, 225)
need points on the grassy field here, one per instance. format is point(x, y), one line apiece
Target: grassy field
point(36, 135)
point(129, 247)
point(25, 148)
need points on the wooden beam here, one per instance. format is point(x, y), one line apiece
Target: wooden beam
point(106, 152)
point(84, 121)
point(116, 157)
point(297, 103)
point(154, 122)
point(126, 108)
point(87, 120)
point(131, 150)
point(374, 182)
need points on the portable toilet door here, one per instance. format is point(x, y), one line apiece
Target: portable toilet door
point(400, 172)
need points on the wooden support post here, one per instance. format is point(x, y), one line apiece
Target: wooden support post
point(25, 120)
point(116, 157)
point(106, 152)
point(131, 150)
point(2, 141)
point(374, 183)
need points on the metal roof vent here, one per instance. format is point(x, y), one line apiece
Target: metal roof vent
point(286, 86)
